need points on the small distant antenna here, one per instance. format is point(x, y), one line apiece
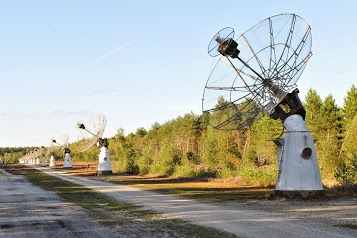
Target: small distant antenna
point(51, 152)
point(43, 156)
point(63, 144)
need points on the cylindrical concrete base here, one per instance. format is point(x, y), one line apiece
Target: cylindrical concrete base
point(43, 161)
point(52, 161)
point(67, 164)
point(304, 194)
point(104, 166)
point(104, 172)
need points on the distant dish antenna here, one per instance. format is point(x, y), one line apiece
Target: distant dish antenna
point(63, 146)
point(56, 147)
point(92, 133)
point(32, 157)
point(254, 75)
point(37, 154)
point(41, 155)
point(25, 159)
point(50, 151)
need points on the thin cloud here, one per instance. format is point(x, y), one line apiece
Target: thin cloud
point(112, 52)
point(103, 91)
point(64, 112)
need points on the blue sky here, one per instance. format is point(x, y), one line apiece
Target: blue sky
point(140, 62)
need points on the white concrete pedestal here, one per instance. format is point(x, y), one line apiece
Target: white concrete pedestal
point(44, 161)
point(104, 166)
point(67, 164)
point(52, 161)
point(299, 173)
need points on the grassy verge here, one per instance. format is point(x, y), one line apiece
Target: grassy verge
point(347, 225)
point(113, 213)
point(206, 190)
point(212, 191)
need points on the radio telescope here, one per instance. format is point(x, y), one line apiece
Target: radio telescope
point(91, 133)
point(35, 158)
point(57, 147)
point(25, 159)
point(51, 153)
point(63, 146)
point(255, 74)
point(43, 155)
point(37, 155)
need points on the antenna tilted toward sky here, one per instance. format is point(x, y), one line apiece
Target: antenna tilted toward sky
point(56, 147)
point(37, 156)
point(25, 159)
point(259, 75)
point(92, 133)
point(50, 151)
point(42, 155)
point(31, 157)
point(256, 75)
point(63, 146)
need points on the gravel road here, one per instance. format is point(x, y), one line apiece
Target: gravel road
point(29, 211)
point(248, 218)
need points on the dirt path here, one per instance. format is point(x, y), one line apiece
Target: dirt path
point(29, 211)
point(244, 219)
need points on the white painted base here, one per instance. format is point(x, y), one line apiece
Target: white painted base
point(104, 161)
point(298, 167)
point(52, 161)
point(67, 161)
point(44, 161)
point(38, 160)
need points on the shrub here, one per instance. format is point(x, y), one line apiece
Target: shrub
point(120, 165)
point(346, 172)
point(227, 173)
point(206, 173)
point(169, 157)
point(264, 176)
point(131, 167)
point(187, 170)
point(144, 164)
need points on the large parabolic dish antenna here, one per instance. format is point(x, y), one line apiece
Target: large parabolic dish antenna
point(256, 72)
point(256, 75)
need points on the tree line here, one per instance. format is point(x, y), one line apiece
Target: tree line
point(188, 146)
point(12, 154)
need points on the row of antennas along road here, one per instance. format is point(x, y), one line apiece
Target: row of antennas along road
point(89, 134)
point(254, 74)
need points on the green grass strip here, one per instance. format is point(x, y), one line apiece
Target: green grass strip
point(347, 225)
